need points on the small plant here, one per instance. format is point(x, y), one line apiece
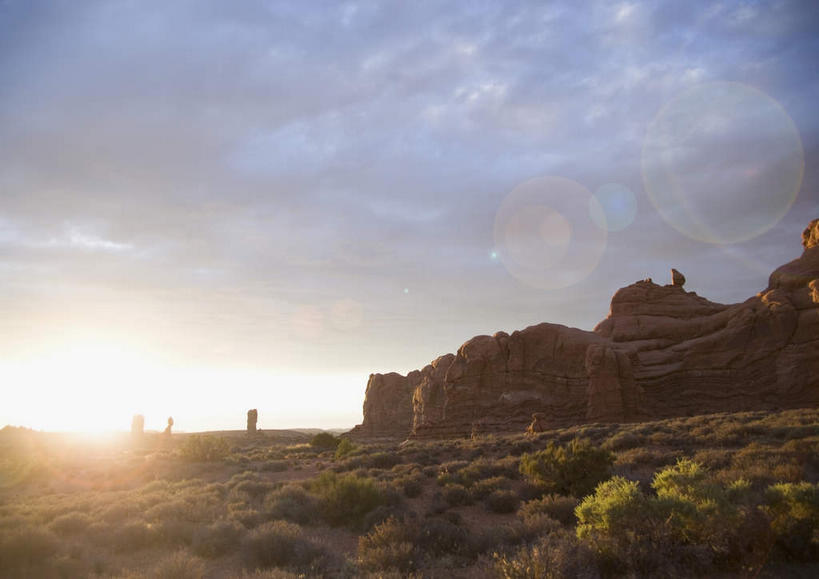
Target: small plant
point(202, 448)
point(278, 544)
point(556, 507)
point(344, 500)
point(794, 512)
point(293, 503)
point(325, 441)
point(179, 565)
point(389, 546)
point(573, 469)
point(345, 447)
point(502, 501)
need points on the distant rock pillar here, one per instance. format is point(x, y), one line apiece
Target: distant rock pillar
point(677, 279)
point(167, 431)
point(137, 425)
point(252, 417)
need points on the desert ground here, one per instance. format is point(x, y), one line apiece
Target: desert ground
point(725, 495)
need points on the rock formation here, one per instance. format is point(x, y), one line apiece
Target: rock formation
point(661, 352)
point(387, 403)
point(137, 425)
point(252, 418)
point(167, 431)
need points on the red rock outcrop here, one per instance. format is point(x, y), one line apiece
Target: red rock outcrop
point(661, 352)
point(387, 406)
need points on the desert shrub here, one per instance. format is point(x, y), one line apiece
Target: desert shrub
point(293, 503)
point(557, 507)
point(622, 440)
point(133, 536)
point(179, 565)
point(216, 539)
point(202, 448)
point(388, 546)
point(24, 548)
point(380, 460)
point(572, 469)
point(502, 501)
point(344, 500)
point(794, 513)
point(344, 448)
point(325, 441)
point(483, 488)
point(439, 536)
point(412, 485)
point(70, 523)
point(455, 495)
point(274, 465)
point(255, 490)
point(691, 523)
point(278, 544)
point(557, 555)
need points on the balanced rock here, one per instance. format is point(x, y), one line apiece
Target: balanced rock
point(138, 425)
point(661, 352)
point(167, 431)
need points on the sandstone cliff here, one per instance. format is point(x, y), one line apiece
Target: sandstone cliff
point(661, 352)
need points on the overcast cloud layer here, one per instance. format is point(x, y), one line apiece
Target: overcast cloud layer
point(314, 189)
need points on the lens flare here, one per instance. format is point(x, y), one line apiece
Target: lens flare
point(618, 204)
point(544, 232)
point(722, 162)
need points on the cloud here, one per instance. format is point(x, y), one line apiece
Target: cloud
point(213, 170)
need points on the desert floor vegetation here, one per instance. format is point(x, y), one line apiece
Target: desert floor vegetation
point(714, 495)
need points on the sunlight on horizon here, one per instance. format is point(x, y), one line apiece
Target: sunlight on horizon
point(96, 387)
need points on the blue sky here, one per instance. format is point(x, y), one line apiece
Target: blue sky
point(277, 198)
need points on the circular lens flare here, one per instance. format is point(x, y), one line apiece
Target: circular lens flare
point(616, 207)
point(722, 162)
point(544, 233)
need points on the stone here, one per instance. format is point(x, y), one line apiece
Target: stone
point(677, 279)
point(137, 425)
point(536, 426)
point(252, 417)
point(661, 352)
point(167, 431)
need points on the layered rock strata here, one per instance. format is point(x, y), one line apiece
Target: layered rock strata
point(661, 352)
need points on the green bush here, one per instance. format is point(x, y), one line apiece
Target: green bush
point(345, 447)
point(692, 522)
point(794, 512)
point(574, 469)
point(389, 546)
point(202, 448)
point(345, 500)
point(325, 441)
point(278, 544)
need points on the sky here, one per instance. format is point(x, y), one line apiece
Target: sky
point(207, 207)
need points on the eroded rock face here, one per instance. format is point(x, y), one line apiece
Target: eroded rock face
point(388, 406)
point(661, 352)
